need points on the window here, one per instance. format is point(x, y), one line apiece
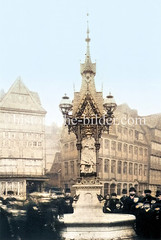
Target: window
point(106, 165)
point(119, 147)
point(125, 167)
point(113, 145)
point(107, 144)
point(135, 169)
point(119, 167)
point(125, 147)
point(125, 186)
point(101, 143)
point(66, 168)
point(119, 189)
point(39, 144)
point(72, 167)
point(140, 170)
point(140, 151)
point(131, 149)
point(136, 134)
point(113, 166)
point(130, 168)
point(105, 188)
point(136, 150)
point(99, 165)
point(145, 170)
point(145, 152)
point(34, 144)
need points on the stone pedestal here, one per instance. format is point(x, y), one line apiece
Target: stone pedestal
point(88, 220)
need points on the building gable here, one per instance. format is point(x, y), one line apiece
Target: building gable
point(19, 97)
point(87, 107)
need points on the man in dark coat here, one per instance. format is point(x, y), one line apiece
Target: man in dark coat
point(5, 231)
point(68, 201)
point(113, 202)
point(106, 204)
point(148, 198)
point(124, 195)
point(129, 201)
point(157, 217)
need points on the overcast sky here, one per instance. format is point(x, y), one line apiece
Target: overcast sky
point(43, 41)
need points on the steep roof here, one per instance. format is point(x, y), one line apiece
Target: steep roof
point(153, 121)
point(20, 98)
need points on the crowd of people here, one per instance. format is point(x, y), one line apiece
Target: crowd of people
point(146, 208)
point(38, 218)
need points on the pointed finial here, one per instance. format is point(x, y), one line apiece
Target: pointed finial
point(87, 26)
point(88, 59)
point(88, 66)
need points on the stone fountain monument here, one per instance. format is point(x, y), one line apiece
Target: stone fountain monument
point(87, 117)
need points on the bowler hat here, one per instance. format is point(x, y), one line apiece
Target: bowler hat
point(147, 191)
point(132, 189)
point(113, 194)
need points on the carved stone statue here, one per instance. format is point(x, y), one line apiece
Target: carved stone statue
point(88, 156)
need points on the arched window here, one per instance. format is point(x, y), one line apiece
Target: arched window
point(119, 189)
point(113, 166)
point(106, 165)
point(106, 188)
point(112, 188)
point(125, 167)
point(107, 144)
point(119, 167)
point(130, 168)
point(125, 186)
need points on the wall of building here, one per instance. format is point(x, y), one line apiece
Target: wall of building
point(22, 139)
point(123, 157)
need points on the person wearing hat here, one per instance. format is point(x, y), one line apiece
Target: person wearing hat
point(129, 201)
point(157, 217)
point(106, 208)
point(147, 220)
point(148, 198)
point(124, 196)
point(5, 233)
point(113, 202)
point(157, 194)
point(68, 201)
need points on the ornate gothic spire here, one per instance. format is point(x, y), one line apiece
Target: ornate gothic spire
point(88, 66)
point(88, 58)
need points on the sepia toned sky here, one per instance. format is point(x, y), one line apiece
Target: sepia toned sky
point(43, 41)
